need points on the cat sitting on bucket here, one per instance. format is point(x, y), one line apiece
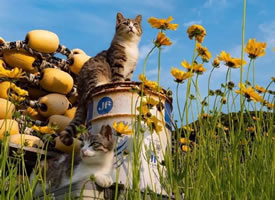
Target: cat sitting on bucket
point(95, 158)
point(115, 64)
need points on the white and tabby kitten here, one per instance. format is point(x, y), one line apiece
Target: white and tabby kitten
point(114, 64)
point(95, 158)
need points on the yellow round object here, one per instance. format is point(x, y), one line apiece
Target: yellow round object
point(2, 61)
point(78, 62)
point(7, 108)
point(4, 88)
point(2, 40)
point(78, 51)
point(19, 58)
point(56, 80)
point(42, 40)
point(70, 113)
point(8, 125)
point(67, 149)
point(53, 104)
point(26, 140)
point(60, 121)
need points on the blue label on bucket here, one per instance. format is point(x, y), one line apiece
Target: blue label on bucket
point(105, 105)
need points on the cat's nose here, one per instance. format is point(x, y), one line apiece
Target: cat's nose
point(83, 151)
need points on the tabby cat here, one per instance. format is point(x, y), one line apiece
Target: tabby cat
point(95, 157)
point(115, 64)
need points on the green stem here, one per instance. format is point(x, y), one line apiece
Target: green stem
point(177, 99)
point(253, 72)
point(146, 59)
point(189, 89)
point(209, 78)
point(241, 68)
point(248, 69)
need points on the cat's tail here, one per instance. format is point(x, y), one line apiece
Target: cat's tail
point(66, 136)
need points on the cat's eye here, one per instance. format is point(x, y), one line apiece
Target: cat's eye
point(95, 144)
point(135, 24)
point(126, 23)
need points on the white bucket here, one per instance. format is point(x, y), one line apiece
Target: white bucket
point(116, 102)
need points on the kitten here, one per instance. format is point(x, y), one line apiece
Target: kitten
point(115, 64)
point(95, 157)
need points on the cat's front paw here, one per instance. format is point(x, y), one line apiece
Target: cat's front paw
point(103, 180)
point(65, 138)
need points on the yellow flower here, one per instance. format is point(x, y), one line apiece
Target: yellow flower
point(43, 129)
point(180, 75)
point(230, 62)
point(255, 118)
point(142, 78)
point(223, 100)
point(274, 49)
point(219, 125)
point(183, 140)
point(188, 128)
point(203, 52)
point(3, 71)
point(154, 123)
point(162, 40)
point(30, 112)
point(14, 73)
point(121, 128)
point(151, 102)
point(197, 68)
point(185, 148)
point(249, 93)
point(153, 85)
point(216, 63)
point(250, 129)
point(14, 97)
point(18, 90)
point(269, 106)
point(143, 109)
point(273, 79)
point(255, 49)
point(260, 89)
point(205, 116)
point(162, 23)
point(150, 84)
point(196, 31)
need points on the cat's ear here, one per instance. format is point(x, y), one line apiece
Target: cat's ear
point(138, 19)
point(107, 132)
point(119, 18)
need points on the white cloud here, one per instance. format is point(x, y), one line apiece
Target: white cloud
point(144, 50)
point(152, 72)
point(187, 24)
point(236, 51)
point(268, 31)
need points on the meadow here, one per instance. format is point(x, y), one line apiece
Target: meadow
point(222, 146)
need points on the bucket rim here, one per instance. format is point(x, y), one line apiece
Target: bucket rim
point(110, 87)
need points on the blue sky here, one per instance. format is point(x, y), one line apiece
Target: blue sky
point(90, 25)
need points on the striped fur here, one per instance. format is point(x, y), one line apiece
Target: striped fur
point(95, 157)
point(115, 64)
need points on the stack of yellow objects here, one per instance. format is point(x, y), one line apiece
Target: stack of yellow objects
point(50, 100)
